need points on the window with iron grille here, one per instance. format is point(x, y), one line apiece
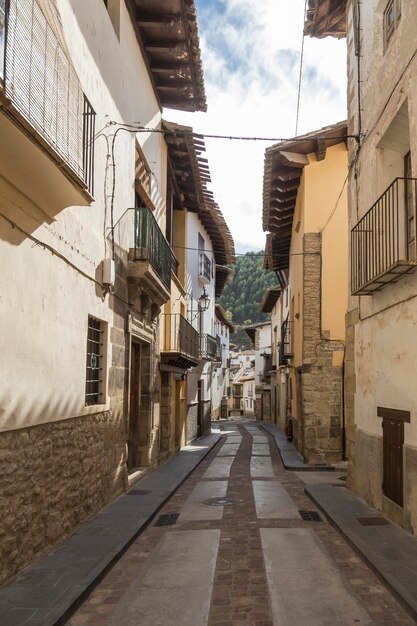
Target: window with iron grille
point(94, 365)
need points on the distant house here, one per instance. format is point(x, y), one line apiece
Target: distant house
point(305, 216)
point(221, 374)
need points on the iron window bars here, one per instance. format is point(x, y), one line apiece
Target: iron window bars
point(204, 266)
point(93, 377)
point(43, 86)
point(208, 347)
point(285, 344)
point(381, 242)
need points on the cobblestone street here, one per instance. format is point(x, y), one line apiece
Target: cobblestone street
point(239, 552)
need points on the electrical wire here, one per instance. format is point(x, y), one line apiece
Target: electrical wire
point(191, 133)
point(300, 77)
point(62, 257)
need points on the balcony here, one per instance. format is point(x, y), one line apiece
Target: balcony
point(47, 124)
point(208, 347)
point(285, 348)
point(383, 246)
point(150, 260)
point(218, 358)
point(204, 269)
point(181, 347)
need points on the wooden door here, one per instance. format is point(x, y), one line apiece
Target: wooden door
point(393, 441)
point(133, 440)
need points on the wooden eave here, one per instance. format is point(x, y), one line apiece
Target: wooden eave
point(167, 33)
point(270, 298)
point(221, 316)
point(191, 174)
point(251, 333)
point(224, 275)
point(326, 18)
point(283, 169)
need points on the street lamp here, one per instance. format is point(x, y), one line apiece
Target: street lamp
point(203, 301)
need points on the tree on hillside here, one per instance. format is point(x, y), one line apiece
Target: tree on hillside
point(242, 297)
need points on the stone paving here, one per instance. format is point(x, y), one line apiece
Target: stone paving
point(243, 577)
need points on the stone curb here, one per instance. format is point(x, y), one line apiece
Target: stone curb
point(49, 590)
point(291, 458)
point(388, 549)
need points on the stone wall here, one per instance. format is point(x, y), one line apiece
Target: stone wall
point(320, 383)
point(192, 422)
point(54, 477)
point(206, 425)
point(352, 318)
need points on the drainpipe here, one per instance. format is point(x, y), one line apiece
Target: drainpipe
point(343, 409)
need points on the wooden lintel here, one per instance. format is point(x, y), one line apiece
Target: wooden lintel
point(393, 414)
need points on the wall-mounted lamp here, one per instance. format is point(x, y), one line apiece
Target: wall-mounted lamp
point(203, 301)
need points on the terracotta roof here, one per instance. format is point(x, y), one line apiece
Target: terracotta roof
point(167, 32)
point(326, 18)
point(190, 173)
point(221, 316)
point(283, 168)
point(269, 298)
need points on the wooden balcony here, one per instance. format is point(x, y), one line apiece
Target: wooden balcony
point(180, 350)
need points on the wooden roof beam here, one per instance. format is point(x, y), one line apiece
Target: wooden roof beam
point(320, 149)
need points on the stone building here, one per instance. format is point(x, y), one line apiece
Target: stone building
point(305, 214)
point(260, 336)
point(223, 327)
point(86, 255)
point(275, 301)
point(202, 247)
point(381, 406)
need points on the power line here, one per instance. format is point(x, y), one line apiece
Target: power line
point(184, 133)
point(301, 72)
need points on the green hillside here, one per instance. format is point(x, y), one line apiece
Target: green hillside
point(241, 299)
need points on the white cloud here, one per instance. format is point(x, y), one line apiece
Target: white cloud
point(251, 63)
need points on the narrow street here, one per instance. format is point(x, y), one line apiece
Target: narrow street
point(231, 547)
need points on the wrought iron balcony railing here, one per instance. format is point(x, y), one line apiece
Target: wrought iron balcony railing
point(208, 347)
point(285, 349)
point(150, 245)
point(204, 268)
point(43, 88)
point(181, 340)
point(383, 245)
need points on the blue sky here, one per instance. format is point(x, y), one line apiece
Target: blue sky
point(251, 53)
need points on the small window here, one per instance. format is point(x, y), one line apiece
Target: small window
point(94, 363)
point(392, 14)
